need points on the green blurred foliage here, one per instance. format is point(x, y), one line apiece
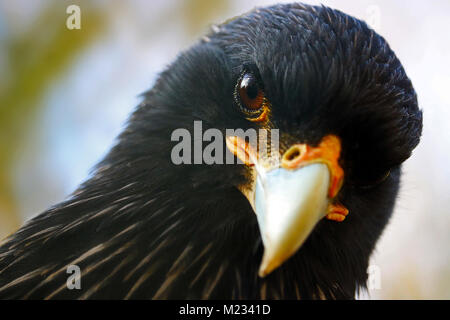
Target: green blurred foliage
point(35, 59)
point(198, 13)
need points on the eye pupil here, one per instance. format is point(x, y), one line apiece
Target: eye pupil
point(251, 95)
point(249, 84)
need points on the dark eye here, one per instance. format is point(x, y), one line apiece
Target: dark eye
point(250, 93)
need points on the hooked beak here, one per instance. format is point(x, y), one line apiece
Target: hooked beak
point(291, 198)
point(288, 206)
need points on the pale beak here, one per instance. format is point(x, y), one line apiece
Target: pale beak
point(288, 205)
point(289, 199)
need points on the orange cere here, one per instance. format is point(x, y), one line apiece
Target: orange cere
point(328, 152)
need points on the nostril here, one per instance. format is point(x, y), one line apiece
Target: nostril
point(292, 154)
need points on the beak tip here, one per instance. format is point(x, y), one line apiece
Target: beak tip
point(267, 266)
point(263, 272)
point(263, 268)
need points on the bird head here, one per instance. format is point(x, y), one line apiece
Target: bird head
point(310, 205)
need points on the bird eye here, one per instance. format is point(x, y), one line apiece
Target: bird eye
point(251, 95)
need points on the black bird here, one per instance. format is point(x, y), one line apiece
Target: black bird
point(145, 227)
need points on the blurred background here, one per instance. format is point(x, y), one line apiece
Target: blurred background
point(66, 94)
